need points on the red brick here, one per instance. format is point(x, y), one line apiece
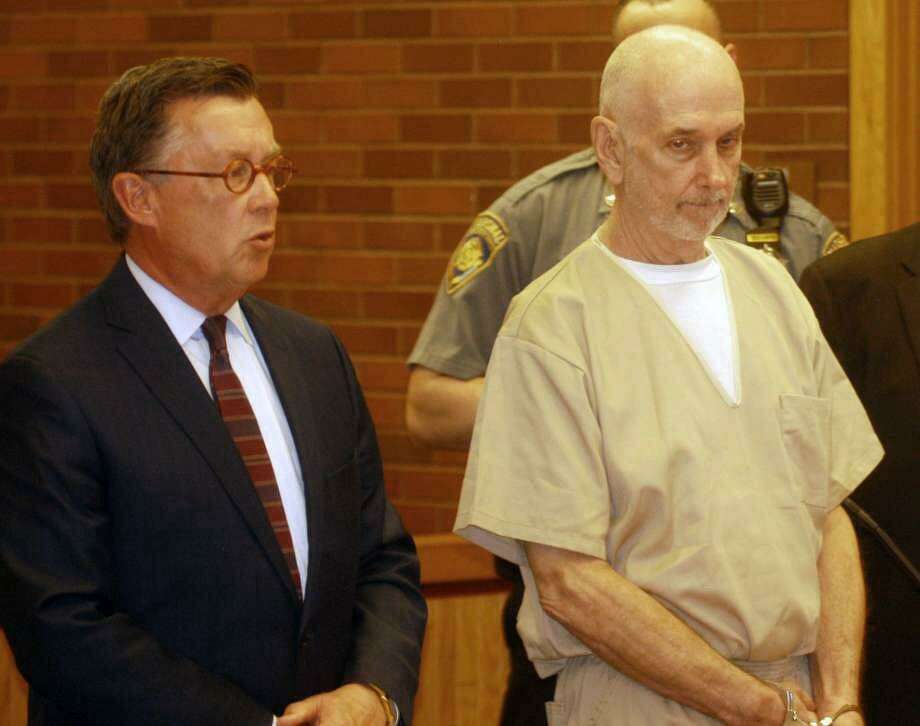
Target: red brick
point(88, 94)
point(41, 29)
point(834, 201)
point(71, 196)
point(516, 127)
point(772, 52)
point(569, 19)
point(387, 410)
point(37, 230)
point(829, 52)
point(807, 15)
point(487, 194)
point(773, 127)
point(362, 58)
point(739, 17)
point(23, 64)
point(358, 199)
point(515, 57)
point(363, 128)
point(477, 92)
point(400, 93)
point(437, 58)
point(20, 129)
point(79, 64)
point(34, 162)
point(250, 26)
point(397, 23)
point(451, 233)
point(37, 295)
point(831, 127)
point(398, 235)
point(44, 97)
point(475, 163)
point(529, 160)
point(435, 128)
point(293, 128)
point(91, 230)
point(17, 327)
point(556, 92)
point(83, 263)
point(325, 163)
point(300, 198)
point(397, 305)
point(122, 60)
point(180, 28)
point(435, 484)
point(81, 5)
point(338, 93)
point(19, 195)
point(477, 22)
point(287, 59)
point(323, 24)
point(126, 28)
point(584, 56)
point(576, 127)
point(19, 262)
point(807, 90)
point(753, 90)
point(398, 163)
point(422, 270)
point(327, 304)
point(147, 4)
point(434, 200)
point(382, 375)
point(271, 95)
point(358, 338)
point(321, 233)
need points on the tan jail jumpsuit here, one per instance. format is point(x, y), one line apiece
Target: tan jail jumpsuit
point(601, 431)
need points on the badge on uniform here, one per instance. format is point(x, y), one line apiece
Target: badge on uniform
point(482, 241)
point(835, 240)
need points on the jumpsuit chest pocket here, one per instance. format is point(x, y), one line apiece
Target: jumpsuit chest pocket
point(805, 424)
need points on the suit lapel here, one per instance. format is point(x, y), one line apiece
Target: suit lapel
point(144, 339)
point(909, 298)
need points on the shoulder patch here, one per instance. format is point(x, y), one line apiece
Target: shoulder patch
point(482, 241)
point(835, 240)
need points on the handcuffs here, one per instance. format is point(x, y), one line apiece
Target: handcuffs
point(793, 718)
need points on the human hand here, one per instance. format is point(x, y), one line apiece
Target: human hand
point(802, 704)
point(350, 705)
point(851, 718)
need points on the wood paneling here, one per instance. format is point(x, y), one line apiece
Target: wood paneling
point(885, 115)
point(13, 690)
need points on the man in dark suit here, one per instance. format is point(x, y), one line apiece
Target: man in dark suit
point(867, 298)
point(193, 522)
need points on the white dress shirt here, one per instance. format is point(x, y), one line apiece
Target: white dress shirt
point(249, 365)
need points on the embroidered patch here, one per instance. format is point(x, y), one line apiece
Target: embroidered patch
point(835, 240)
point(482, 241)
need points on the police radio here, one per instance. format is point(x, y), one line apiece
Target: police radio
point(766, 197)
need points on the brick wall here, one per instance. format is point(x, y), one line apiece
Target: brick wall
point(405, 119)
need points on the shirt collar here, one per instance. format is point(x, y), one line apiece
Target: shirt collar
point(183, 320)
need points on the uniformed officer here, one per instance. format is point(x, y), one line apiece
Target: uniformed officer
point(532, 226)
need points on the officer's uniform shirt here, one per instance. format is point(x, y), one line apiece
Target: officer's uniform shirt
point(530, 228)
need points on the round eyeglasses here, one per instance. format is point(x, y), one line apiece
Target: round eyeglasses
point(240, 174)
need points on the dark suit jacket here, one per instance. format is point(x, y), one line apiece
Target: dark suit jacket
point(867, 297)
point(141, 582)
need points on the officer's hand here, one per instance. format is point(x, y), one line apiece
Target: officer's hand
point(350, 705)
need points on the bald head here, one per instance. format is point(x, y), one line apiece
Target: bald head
point(634, 15)
point(656, 64)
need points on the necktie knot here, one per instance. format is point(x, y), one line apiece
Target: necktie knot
point(215, 331)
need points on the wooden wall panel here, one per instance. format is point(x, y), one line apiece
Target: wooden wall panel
point(885, 115)
point(13, 690)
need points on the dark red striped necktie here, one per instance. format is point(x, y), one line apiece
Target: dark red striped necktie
point(244, 429)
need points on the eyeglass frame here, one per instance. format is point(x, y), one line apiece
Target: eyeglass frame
point(256, 169)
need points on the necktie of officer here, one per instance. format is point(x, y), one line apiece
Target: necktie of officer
point(237, 414)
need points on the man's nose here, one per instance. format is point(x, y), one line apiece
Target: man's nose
point(263, 194)
point(713, 169)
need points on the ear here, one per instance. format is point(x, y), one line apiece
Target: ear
point(732, 50)
point(136, 196)
point(608, 148)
